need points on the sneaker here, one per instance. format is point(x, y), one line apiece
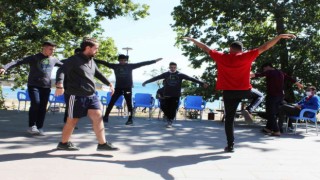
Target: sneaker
point(229, 149)
point(41, 132)
point(129, 122)
point(247, 116)
point(169, 125)
point(290, 129)
point(278, 134)
point(105, 119)
point(266, 130)
point(68, 146)
point(33, 130)
point(106, 147)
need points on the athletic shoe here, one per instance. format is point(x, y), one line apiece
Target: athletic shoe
point(106, 147)
point(247, 116)
point(33, 130)
point(229, 149)
point(129, 122)
point(41, 132)
point(105, 119)
point(275, 134)
point(290, 129)
point(68, 146)
point(266, 131)
point(169, 125)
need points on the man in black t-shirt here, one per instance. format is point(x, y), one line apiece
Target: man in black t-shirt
point(124, 82)
point(172, 89)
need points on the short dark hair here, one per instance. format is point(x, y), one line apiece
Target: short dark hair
point(77, 51)
point(266, 65)
point(173, 64)
point(48, 43)
point(88, 42)
point(122, 56)
point(237, 45)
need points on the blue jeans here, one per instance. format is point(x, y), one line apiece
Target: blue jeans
point(39, 100)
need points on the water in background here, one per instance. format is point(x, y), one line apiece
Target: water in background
point(150, 88)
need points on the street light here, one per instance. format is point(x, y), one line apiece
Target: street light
point(127, 49)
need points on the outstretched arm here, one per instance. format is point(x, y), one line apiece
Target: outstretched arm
point(202, 46)
point(184, 76)
point(161, 76)
point(137, 65)
point(15, 63)
point(300, 86)
point(274, 41)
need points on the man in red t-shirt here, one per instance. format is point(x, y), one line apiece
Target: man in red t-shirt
point(234, 77)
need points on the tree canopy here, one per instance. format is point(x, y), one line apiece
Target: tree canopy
point(218, 23)
point(24, 25)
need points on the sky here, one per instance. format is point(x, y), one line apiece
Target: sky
point(150, 38)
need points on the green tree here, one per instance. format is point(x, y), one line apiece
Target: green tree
point(25, 24)
point(218, 23)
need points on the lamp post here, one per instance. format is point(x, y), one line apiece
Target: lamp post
point(127, 49)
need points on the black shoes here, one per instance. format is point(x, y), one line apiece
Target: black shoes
point(105, 119)
point(68, 146)
point(129, 122)
point(106, 147)
point(248, 118)
point(229, 148)
point(169, 124)
point(266, 131)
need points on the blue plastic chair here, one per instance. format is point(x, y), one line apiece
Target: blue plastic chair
point(105, 100)
point(23, 96)
point(56, 100)
point(194, 103)
point(143, 100)
point(311, 115)
point(120, 105)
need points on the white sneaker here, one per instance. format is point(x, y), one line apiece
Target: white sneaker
point(33, 130)
point(41, 132)
point(248, 118)
point(290, 129)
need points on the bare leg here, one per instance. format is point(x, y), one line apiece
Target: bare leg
point(97, 124)
point(68, 129)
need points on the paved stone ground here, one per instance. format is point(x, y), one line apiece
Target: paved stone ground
point(193, 149)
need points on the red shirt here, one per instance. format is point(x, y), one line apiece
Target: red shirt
point(234, 69)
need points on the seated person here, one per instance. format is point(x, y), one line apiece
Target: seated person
point(311, 101)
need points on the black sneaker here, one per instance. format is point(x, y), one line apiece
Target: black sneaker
point(105, 119)
point(169, 124)
point(129, 122)
point(229, 149)
point(68, 146)
point(106, 147)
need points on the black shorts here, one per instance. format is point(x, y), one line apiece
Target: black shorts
point(79, 105)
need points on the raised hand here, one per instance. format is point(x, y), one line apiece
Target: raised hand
point(159, 59)
point(187, 38)
point(287, 36)
point(2, 71)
